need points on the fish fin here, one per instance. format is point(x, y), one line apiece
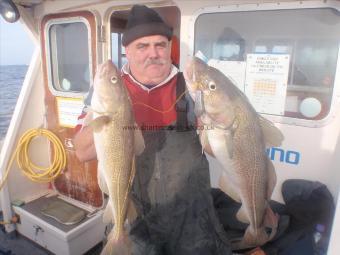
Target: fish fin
point(98, 123)
point(228, 188)
point(121, 245)
point(101, 181)
point(139, 141)
point(131, 212)
point(203, 136)
point(108, 213)
point(229, 142)
point(88, 118)
point(272, 135)
point(242, 216)
point(203, 139)
point(271, 178)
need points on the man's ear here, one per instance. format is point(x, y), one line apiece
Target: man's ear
point(127, 50)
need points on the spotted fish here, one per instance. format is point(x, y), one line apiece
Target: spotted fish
point(116, 146)
point(237, 140)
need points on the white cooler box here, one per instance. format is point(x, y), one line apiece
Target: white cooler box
point(61, 239)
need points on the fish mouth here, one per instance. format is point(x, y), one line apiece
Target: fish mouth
point(193, 68)
point(107, 69)
point(191, 78)
point(107, 87)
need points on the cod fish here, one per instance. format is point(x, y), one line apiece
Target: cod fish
point(116, 147)
point(237, 137)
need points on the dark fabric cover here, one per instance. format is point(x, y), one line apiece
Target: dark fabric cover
point(143, 21)
point(307, 204)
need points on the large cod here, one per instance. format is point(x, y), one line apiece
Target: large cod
point(116, 144)
point(237, 137)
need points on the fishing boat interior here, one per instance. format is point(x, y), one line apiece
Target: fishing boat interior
point(284, 56)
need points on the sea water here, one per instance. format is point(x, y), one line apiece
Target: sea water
point(11, 79)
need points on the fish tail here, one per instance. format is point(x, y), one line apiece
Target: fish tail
point(251, 238)
point(117, 244)
point(270, 222)
point(264, 233)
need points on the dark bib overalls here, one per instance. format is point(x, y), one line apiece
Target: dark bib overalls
point(171, 192)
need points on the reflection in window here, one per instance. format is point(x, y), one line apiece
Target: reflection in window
point(69, 50)
point(309, 36)
point(317, 59)
point(118, 51)
point(260, 49)
point(280, 49)
point(229, 46)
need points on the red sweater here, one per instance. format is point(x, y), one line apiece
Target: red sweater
point(153, 108)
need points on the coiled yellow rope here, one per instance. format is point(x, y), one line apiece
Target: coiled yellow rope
point(31, 170)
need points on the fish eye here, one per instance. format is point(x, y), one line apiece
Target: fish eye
point(114, 79)
point(212, 85)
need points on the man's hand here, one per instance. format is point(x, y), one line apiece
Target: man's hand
point(84, 145)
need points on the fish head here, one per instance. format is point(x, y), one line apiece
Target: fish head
point(210, 90)
point(109, 91)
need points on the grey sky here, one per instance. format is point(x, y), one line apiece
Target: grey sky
point(16, 47)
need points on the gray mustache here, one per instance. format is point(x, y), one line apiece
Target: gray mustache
point(153, 61)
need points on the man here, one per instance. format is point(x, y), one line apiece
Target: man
point(171, 189)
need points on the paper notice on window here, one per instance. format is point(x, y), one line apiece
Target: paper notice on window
point(234, 70)
point(266, 82)
point(69, 110)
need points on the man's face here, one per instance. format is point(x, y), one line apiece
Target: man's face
point(149, 59)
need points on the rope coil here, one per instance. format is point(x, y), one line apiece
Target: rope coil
point(30, 170)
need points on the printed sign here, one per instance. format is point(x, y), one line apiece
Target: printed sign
point(68, 111)
point(266, 82)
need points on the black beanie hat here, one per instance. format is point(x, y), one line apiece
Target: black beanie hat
point(143, 21)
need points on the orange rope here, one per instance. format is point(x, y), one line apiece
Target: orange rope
point(161, 111)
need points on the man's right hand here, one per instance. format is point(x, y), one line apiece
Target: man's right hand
point(84, 145)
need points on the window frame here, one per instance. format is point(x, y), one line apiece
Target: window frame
point(49, 59)
point(335, 97)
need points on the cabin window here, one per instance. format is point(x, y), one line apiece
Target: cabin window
point(304, 42)
point(68, 47)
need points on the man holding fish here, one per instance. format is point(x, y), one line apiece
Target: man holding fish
point(171, 186)
point(151, 160)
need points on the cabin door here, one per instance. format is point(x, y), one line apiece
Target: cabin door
point(69, 57)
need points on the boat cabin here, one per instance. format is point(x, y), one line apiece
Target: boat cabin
point(284, 55)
